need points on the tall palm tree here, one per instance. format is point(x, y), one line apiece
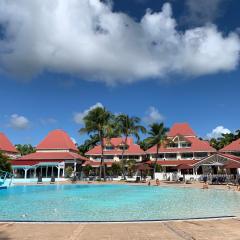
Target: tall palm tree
point(157, 138)
point(96, 122)
point(128, 126)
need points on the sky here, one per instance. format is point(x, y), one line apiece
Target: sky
point(170, 61)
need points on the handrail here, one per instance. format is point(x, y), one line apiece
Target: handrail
point(5, 175)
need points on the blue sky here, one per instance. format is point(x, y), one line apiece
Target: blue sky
point(40, 92)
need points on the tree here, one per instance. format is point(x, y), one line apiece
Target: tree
point(89, 144)
point(25, 149)
point(87, 169)
point(128, 126)
point(96, 122)
point(5, 164)
point(157, 138)
point(116, 168)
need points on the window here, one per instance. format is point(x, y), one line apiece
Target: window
point(200, 154)
point(122, 147)
point(185, 144)
point(108, 157)
point(186, 155)
point(107, 148)
point(236, 154)
point(170, 155)
point(172, 145)
point(160, 156)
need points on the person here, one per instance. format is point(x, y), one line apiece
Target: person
point(238, 186)
point(157, 182)
point(149, 183)
point(205, 185)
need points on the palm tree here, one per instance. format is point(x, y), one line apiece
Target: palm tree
point(96, 122)
point(25, 149)
point(157, 138)
point(128, 126)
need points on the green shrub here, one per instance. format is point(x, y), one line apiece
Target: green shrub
point(68, 172)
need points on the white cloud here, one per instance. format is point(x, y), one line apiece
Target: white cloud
point(74, 140)
point(87, 39)
point(46, 121)
point(78, 117)
point(18, 122)
point(153, 116)
point(201, 11)
point(217, 132)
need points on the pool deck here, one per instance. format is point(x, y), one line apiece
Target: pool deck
point(173, 230)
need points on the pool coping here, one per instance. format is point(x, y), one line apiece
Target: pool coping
point(122, 222)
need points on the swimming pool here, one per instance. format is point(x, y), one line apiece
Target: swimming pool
point(114, 203)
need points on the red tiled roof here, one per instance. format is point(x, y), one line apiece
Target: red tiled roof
point(197, 145)
point(24, 163)
point(6, 145)
point(96, 164)
point(181, 129)
point(43, 156)
point(57, 139)
point(174, 162)
point(118, 141)
point(133, 149)
point(230, 156)
point(232, 147)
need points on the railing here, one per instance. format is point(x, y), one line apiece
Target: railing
point(4, 175)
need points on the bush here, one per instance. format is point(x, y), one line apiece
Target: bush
point(5, 164)
point(68, 172)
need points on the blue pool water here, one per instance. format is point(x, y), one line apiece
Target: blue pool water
point(114, 203)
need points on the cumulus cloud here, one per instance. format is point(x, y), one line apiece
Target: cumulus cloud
point(202, 11)
point(18, 122)
point(153, 116)
point(88, 39)
point(217, 132)
point(78, 117)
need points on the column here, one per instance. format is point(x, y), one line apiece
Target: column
point(75, 167)
point(58, 168)
point(35, 172)
point(46, 171)
point(25, 173)
point(52, 172)
point(63, 169)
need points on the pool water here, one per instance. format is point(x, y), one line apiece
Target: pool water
point(114, 203)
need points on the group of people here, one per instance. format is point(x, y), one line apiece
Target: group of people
point(157, 182)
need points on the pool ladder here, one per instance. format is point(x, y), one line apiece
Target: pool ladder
point(3, 177)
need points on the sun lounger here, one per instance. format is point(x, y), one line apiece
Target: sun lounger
point(52, 180)
point(39, 181)
point(74, 179)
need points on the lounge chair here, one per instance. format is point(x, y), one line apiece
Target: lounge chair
point(52, 180)
point(74, 179)
point(39, 181)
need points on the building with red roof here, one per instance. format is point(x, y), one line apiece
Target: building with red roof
point(182, 147)
point(53, 155)
point(232, 148)
point(113, 149)
point(7, 147)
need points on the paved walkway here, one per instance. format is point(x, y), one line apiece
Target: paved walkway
point(228, 229)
